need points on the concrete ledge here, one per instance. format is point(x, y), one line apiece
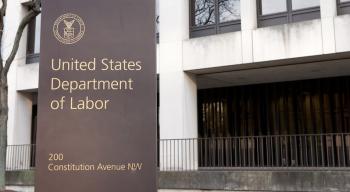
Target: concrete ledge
point(20, 178)
point(287, 181)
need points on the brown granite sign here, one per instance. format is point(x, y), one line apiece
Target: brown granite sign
point(97, 97)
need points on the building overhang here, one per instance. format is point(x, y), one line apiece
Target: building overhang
point(301, 68)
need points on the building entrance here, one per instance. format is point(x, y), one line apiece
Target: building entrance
point(289, 124)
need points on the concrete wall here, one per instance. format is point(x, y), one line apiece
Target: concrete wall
point(178, 91)
point(19, 122)
point(27, 77)
point(20, 188)
point(20, 178)
point(287, 181)
point(342, 30)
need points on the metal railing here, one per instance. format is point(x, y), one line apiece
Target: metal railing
point(282, 151)
point(20, 157)
point(258, 152)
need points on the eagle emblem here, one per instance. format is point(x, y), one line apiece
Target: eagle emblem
point(69, 24)
point(69, 28)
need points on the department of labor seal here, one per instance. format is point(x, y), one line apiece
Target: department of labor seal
point(69, 28)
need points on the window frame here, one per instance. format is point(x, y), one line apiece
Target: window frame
point(289, 16)
point(343, 7)
point(212, 29)
point(31, 56)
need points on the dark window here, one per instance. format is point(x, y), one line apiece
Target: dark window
point(210, 17)
point(272, 12)
point(34, 129)
point(288, 124)
point(288, 108)
point(33, 41)
point(34, 123)
point(343, 7)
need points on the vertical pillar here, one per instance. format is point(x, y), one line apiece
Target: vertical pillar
point(249, 23)
point(178, 90)
point(328, 12)
point(18, 131)
point(20, 109)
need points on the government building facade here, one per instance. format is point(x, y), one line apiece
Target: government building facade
point(253, 95)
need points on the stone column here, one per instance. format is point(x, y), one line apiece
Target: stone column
point(178, 90)
point(249, 24)
point(328, 12)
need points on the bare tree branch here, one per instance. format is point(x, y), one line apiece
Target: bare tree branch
point(3, 108)
point(3, 8)
point(35, 9)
